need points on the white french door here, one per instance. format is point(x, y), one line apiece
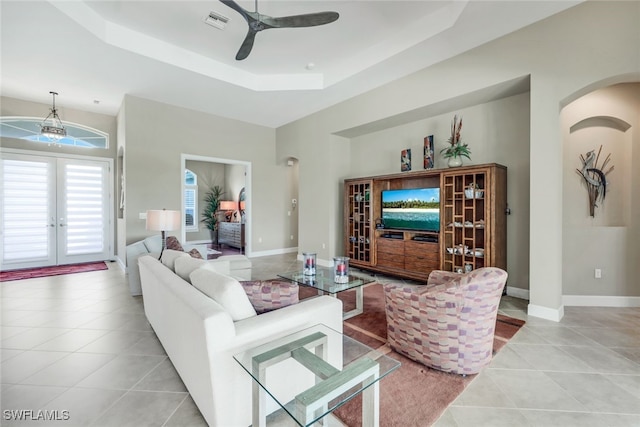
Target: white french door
point(55, 211)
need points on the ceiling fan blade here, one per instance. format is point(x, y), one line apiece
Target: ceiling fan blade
point(247, 45)
point(258, 22)
point(235, 6)
point(306, 20)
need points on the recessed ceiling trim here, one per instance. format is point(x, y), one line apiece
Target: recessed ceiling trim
point(141, 44)
point(412, 34)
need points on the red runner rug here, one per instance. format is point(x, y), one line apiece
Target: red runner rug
point(29, 273)
point(413, 395)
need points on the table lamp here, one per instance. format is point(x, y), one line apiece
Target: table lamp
point(163, 221)
point(228, 206)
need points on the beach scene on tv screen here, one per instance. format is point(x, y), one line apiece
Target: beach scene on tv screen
point(413, 209)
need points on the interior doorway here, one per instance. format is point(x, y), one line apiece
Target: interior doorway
point(238, 175)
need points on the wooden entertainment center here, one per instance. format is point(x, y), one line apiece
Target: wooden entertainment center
point(473, 226)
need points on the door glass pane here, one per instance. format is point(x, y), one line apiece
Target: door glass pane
point(84, 217)
point(25, 210)
point(190, 210)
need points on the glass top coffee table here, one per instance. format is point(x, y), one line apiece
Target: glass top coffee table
point(324, 283)
point(338, 367)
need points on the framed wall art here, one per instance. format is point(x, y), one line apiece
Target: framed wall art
point(429, 159)
point(405, 160)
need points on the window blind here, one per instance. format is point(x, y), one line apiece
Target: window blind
point(25, 209)
point(84, 205)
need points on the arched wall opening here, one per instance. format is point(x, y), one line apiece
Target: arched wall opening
point(607, 244)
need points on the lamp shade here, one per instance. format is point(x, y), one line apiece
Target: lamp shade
point(228, 205)
point(163, 220)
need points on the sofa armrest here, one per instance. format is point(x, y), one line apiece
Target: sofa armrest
point(307, 313)
point(135, 251)
point(153, 243)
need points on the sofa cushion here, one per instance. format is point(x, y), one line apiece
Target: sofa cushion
point(225, 290)
point(185, 265)
point(268, 295)
point(222, 267)
point(169, 257)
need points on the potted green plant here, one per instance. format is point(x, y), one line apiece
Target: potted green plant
point(456, 149)
point(211, 207)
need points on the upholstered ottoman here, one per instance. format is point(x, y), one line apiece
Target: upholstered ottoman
point(239, 265)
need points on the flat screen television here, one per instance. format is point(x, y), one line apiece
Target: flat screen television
point(412, 209)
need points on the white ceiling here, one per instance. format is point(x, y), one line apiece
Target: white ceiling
point(162, 50)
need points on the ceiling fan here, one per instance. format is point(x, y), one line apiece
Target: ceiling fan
point(258, 22)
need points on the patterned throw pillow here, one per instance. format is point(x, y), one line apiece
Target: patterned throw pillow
point(174, 244)
point(268, 295)
point(195, 253)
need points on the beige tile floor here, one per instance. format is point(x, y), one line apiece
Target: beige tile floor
point(81, 343)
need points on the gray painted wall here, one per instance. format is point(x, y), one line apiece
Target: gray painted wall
point(158, 134)
point(609, 240)
point(564, 59)
point(102, 122)
point(497, 132)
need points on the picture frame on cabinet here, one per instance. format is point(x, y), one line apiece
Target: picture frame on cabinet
point(405, 160)
point(429, 157)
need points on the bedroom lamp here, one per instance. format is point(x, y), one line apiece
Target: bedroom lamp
point(163, 221)
point(228, 206)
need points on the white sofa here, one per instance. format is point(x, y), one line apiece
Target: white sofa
point(201, 336)
point(240, 265)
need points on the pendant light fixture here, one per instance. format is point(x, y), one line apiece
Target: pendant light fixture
point(51, 126)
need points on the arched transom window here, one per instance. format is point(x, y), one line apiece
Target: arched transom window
point(28, 128)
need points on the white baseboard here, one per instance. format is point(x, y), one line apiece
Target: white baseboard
point(273, 252)
point(518, 292)
point(554, 315)
point(600, 301)
point(120, 263)
point(321, 262)
point(198, 242)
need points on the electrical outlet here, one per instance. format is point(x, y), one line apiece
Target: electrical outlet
point(324, 246)
point(598, 273)
point(259, 239)
point(291, 237)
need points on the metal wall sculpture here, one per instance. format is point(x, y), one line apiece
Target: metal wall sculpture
point(595, 177)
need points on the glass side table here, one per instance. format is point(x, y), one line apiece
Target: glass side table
point(342, 368)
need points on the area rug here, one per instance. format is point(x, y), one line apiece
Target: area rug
point(29, 273)
point(413, 395)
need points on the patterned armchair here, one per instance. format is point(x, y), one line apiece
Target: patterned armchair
point(449, 323)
